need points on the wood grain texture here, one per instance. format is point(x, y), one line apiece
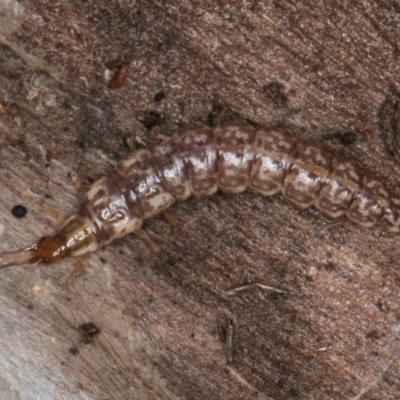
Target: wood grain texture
point(322, 70)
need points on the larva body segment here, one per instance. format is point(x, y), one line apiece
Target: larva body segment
point(235, 147)
point(199, 160)
point(272, 159)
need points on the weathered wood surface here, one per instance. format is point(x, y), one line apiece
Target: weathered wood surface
point(322, 69)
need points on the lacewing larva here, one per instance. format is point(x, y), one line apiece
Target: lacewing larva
point(199, 160)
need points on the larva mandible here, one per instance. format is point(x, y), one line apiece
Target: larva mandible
point(199, 160)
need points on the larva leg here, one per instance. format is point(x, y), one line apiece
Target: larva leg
point(171, 219)
point(86, 171)
point(50, 210)
point(129, 140)
point(76, 273)
point(140, 233)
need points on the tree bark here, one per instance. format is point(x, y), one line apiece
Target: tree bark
point(326, 70)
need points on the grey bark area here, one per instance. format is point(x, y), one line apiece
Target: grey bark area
point(327, 70)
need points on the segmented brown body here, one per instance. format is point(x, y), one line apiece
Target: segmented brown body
point(199, 160)
point(232, 157)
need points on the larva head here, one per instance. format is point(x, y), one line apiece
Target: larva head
point(46, 250)
point(49, 249)
point(74, 239)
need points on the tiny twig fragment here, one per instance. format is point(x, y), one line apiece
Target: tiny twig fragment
point(255, 285)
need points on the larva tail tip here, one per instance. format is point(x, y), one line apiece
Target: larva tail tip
point(46, 250)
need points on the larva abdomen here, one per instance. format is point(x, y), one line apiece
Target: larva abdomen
point(233, 156)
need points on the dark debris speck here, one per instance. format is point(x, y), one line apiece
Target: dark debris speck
point(348, 138)
point(18, 211)
point(275, 92)
point(150, 119)
point(74, 351)
point(159, 96)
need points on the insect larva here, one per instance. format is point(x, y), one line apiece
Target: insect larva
point(199, 160)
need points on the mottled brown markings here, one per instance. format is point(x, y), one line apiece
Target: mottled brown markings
point(307, 173)
point(232, 156)
point(196, 144)
point(235, 144)
point(275, 147)
point(389, 121)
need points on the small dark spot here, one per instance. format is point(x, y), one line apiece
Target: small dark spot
point(293, 393)
point(18, 211)
point(49, 154)
point(74, 351)
point(379, 304)
point(69, 175)
point(192, 335)
point(89, 330)
point(159, 96)
point(329, 266)
point(216, 109)
point(280, 384)
point(150, 119)
point(170, 261)
point(150, 300)
point(103, 260)
point(372, 335)
point(275, 92)
point(30, 307)
point(68, 106)
point(348, 138)
point(388, 381)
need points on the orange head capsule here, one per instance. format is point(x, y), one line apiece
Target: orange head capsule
point(75, 238)
point(46, 250)
point(49, 249)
